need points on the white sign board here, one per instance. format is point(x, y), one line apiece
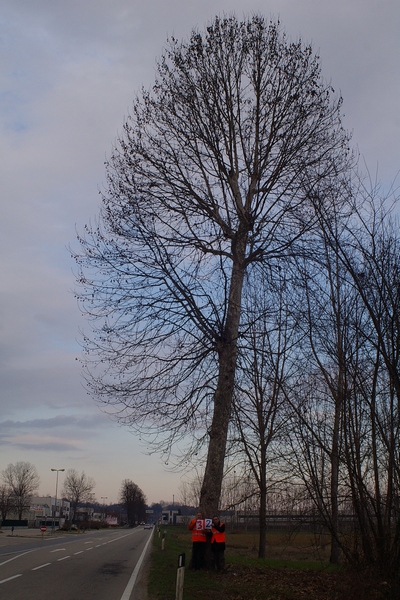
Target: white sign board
point(203, 524)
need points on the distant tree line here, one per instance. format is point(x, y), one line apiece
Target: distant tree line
point(20, 481)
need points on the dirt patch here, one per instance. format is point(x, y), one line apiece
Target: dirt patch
point(246, 583)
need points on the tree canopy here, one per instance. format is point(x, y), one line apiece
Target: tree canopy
point(22, 480)
point(77, 488)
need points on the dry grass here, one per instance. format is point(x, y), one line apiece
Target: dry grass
point(297, 568)
point(285, 545)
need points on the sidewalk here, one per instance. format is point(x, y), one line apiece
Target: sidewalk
point(31, 532)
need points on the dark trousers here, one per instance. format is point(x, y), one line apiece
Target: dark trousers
point(218, 554)
point(198, 554)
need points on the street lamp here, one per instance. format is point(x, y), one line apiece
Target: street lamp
point(55, 508)
point(91, 496)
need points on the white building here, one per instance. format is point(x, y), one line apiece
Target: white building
point(45, 509)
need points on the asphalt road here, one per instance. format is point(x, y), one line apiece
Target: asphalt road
point(100, 565)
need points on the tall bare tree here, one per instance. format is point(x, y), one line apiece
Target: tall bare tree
point(23, 480)
point(77, 488)
point(215, 175)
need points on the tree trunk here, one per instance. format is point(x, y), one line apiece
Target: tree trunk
point(335, 465)
point(335, 547)
point(227, 355)
point(262, 544)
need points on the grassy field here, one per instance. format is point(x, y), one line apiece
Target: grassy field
point(297, 568)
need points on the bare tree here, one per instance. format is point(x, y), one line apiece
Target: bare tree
point(330, 318)
point(347, 435)
point(23, 480)
point(189, 490)
point(266, 363)
point(372, 259)
point(77, 488)
point(134, 501)
point(214, 176)
point(6, 501)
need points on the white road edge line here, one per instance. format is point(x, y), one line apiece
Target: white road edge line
point(41, 566)
point(9, 578)
point(128, 590)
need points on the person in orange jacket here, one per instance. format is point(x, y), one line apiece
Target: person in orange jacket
point(218, 544)
point(199, 539)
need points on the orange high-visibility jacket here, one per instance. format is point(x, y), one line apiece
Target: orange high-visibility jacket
point(198, 535)
point(218, 536)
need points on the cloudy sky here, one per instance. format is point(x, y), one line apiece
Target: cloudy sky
point(69, 72)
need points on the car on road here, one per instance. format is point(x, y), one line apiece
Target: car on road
point(148, 526)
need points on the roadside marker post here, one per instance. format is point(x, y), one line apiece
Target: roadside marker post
point(180, 576)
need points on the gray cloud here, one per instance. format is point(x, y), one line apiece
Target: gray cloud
point(85, 422)
point(50, 446)
point(69, 74)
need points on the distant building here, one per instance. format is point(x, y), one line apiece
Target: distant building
point(169, 517)
point(43, 510)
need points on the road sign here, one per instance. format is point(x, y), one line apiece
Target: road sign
point(43, 528)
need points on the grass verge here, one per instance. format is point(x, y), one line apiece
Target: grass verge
point(250, 578)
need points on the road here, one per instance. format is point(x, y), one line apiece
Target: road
point(100, 565)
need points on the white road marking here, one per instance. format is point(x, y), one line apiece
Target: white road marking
point(131, 582)
point(128, 590)
point(14, 557)
point(41, 566)
point(9, 578)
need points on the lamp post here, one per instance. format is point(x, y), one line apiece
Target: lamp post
point(55, 508)
point(104, 506)
point(91, 496)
